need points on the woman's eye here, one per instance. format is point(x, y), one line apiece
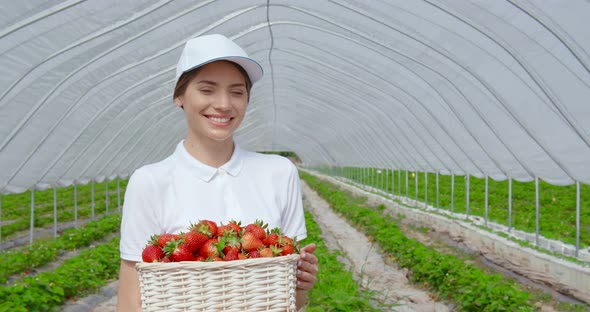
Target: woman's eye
point(237, 93)
point(206, 91)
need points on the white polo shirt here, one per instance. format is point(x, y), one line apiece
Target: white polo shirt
point(166, 196)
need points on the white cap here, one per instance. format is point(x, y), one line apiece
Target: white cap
point(210, 48)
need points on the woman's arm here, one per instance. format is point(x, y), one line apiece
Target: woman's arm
point(128, 298)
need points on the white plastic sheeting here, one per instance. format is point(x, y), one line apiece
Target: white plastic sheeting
point(486, 88)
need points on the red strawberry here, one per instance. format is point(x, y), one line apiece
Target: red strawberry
point(177, 250)
point(211, 248)
point(242, 256)
point(163, 239)
point(223, 229)
point(195, 240)
point(254, 254)
point(152, 252)
point(231, 241)
point(250, 242)
point(271, 251)
point(271, 239)
point(199, 258)
point(287, 249)
point(232, 255)
point(285, 240)
point(211, 227)
point(258, 228)
point(236, 227)
point(217, 258)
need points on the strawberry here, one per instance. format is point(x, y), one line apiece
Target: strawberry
point(271, 251)
point(177, 250)
point(195, 240)
point(223, 229)
point(287, 249)
point(163, 239)
point(231, 255)
point(254, 254)
point(236, 227)
point(285, 240)
point(271, 239)
point(242, 256)
point(211, 248)
point(152, 252)
point(250, 242)
point(211, 227)
point(258, 228)
point(231, 241)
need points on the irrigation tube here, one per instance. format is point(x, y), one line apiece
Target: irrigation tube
point(537, 211)
point(54, 211)
point(32, 214)
point(75, 205)
point(577, 217)
point(92, 198)
point(425, 189)
point(467, 195)
point(509, 204)
point(486, 203)
point(452, 192)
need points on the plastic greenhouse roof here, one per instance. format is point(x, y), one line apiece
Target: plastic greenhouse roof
point(486, 88)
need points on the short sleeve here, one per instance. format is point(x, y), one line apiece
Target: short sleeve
point(293, 219)
point(139, 221)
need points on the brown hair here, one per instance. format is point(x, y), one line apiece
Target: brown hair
point(188, 76)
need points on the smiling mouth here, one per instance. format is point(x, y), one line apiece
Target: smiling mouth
point(220, 120)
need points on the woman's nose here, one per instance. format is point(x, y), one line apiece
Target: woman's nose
point(223, 101)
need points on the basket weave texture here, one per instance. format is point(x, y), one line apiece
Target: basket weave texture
point(261, 284)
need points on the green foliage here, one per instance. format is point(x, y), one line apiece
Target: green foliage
point(557, 203)
point(44, 251)
point(77, 276)
point(336, 289)
point(16, 208)
point(469, 287)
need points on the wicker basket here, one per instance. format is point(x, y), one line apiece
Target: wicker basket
point(261, 284)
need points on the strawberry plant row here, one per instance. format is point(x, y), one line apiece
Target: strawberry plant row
point(18, 206)
point(43, 251)
point(336, 289)
point(557, 203)
point(41, 220)
point(77, 276)
point(469, 287)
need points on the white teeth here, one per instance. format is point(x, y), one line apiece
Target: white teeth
point(219, 119)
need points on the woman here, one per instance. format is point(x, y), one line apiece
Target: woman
point(209, 176)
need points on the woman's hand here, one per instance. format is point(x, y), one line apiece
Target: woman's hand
point(307, 268)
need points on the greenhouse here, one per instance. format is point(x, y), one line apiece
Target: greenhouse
point(442, 148)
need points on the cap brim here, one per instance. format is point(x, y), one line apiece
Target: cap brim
point(252, 68)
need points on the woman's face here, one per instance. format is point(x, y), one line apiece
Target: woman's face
point(215, 101)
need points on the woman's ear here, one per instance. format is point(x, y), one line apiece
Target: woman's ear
point(178, 102)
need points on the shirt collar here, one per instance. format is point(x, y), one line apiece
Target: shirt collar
point(206, 172)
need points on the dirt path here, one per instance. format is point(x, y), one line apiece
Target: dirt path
point(369, 266)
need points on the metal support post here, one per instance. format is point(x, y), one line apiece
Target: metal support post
point(537, 211)
point(32, 221)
